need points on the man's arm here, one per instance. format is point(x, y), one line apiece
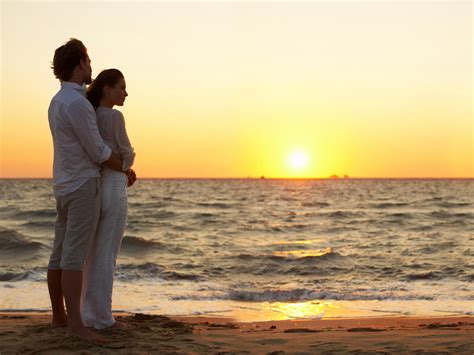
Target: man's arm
point(125, 148)
point(114, 162)
point(83, 121)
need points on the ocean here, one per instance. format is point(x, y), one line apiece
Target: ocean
point(261, 249)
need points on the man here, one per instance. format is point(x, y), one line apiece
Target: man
point(79, 152)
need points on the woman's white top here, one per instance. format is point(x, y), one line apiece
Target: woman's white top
point(111, 125)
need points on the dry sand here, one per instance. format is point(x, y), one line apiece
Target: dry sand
point(31, 333)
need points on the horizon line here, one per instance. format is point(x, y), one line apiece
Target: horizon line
point(266, 178)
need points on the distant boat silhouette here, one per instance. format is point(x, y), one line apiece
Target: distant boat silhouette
point(262, 177)
point(334, 176)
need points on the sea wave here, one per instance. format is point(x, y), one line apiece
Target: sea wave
point(13, 276)
point(218, 205)
point(444, 214)
point(431, 275)
point(150, 270)
point(448, 204)
point(131, 242)
point(401, 215)
point(203, 215)
point(137, 245)
point(291, 256)
point(385, 205)
point(469, 278)
point(16, 244)
point(39, 224)
point(40, 213)
point(164, 214)
point(341, 214)
point(147, 205)
point(315, 204)
point(302, 295)
point(35, 274)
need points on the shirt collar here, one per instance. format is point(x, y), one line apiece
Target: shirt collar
point(68, 84)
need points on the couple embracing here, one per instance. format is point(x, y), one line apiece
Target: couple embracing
point(91, 172)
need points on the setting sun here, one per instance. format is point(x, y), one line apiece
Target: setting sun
point(298, 160)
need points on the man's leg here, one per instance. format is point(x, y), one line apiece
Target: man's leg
point(54, 272)
point(56, 296)
point(83, 208)
point(72, 287)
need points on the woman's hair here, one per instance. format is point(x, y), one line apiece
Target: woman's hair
point(67, 57)
point(108, 77)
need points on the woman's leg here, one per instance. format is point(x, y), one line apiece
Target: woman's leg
point(119, 220)
point(97, 304)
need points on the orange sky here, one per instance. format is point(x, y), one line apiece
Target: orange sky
point(233, 89)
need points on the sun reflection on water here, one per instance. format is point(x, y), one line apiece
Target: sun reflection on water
point(285, 242)
point(303, 253)
point(310, 309)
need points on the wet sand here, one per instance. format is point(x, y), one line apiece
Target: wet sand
point(31, 333)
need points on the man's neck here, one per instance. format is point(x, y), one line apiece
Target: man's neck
point(76, 81)
point(77, 78)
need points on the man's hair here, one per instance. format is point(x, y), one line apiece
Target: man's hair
point(67, 57)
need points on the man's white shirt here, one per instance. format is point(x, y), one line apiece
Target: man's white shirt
point(78, 147)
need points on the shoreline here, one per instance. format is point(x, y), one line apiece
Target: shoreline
point(5, 314)
point(143, 299)
point(30, 332)
point(247, 312)
point(271, 178)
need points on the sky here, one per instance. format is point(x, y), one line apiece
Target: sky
point(249, 89)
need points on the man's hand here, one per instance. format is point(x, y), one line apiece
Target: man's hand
point(132, 177)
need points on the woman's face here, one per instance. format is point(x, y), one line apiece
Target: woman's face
point(117, 94)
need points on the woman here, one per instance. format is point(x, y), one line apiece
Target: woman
point(108, 90)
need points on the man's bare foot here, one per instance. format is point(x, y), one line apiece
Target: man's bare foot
point(59, 322)
point(85, 334)
point(120, 325)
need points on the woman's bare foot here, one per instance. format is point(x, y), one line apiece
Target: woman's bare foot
point(120, 325)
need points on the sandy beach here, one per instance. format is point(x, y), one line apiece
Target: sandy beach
point(31, 333)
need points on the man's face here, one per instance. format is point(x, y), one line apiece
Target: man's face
point(87, 70)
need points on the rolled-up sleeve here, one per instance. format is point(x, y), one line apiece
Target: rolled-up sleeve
point(126, 151)
point(84, 123)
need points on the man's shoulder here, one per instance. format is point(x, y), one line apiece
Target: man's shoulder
point(68, 96)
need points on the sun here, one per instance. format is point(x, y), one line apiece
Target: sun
point(298, 160)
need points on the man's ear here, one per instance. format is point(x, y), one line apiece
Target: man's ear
point(82, 63)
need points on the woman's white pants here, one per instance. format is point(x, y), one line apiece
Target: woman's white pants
point(98, 276)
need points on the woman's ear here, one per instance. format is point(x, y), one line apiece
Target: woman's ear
point(106, 91)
